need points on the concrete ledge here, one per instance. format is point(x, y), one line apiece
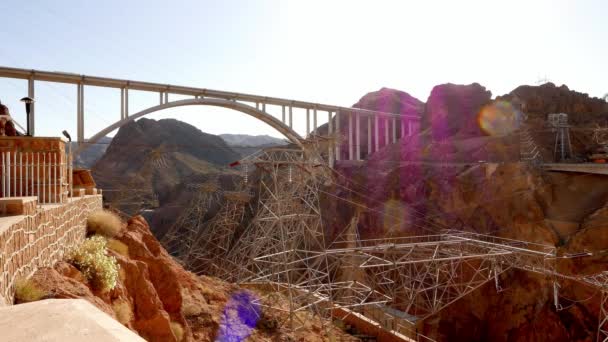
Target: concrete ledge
point(64, 320)
point(78, 192)
point(11, 206)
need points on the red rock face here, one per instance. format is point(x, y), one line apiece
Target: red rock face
point(160, 294)
point(453, 109)
point(508, 200)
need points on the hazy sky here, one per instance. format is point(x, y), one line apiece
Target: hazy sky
point(322, 51)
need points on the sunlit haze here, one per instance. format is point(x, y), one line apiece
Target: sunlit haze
point(330, 52)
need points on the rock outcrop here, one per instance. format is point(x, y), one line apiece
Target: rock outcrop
point(453, 109)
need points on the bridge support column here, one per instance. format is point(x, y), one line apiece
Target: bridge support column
point(369, 136)
point(283, 114)
point(339, 138)
point(122, 103)
point(350, 137)
point(394, 130)
point(30, 93)
point(307, 122)
point(291, 117)
point(80, 114)
point(386, 124)
point(357, 136)
point(376, 133)
point(126, 103)
point(314, 120)
point(330, 152)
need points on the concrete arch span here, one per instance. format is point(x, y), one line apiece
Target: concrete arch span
point(240, 107)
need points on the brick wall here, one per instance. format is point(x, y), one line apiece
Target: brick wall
point(28, 242)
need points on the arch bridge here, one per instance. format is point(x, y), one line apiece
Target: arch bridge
point(382, 128)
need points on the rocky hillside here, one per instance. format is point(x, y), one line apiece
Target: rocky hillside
point(148, 159)
point(538, 101)
point(584, 114)
point(159, 300)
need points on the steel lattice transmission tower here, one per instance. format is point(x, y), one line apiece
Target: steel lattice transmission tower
point(562, 150)
point(182, 239)
point(211, 247)
point(283, 248)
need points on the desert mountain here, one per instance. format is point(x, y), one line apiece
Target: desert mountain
point(148, 159)
point(251, 140)
point(245, 144)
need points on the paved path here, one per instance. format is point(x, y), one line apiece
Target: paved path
point(61, 320)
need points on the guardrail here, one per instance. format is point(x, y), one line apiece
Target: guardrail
point(46, 175)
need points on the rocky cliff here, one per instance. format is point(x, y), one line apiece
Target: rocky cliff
point(391, 197)
point(509, 200)
point(161, 301)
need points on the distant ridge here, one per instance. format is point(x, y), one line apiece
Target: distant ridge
point(251, 140)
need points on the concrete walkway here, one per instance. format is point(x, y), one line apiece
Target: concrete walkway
point(65, 320)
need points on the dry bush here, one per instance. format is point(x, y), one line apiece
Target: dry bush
point(104, 222)
point(118, 247)
point(27, 291)
point(189, 306)
point(177, 330)
point(91, 258)
point(123, 312)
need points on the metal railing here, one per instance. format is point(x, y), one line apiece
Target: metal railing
point(46, 175)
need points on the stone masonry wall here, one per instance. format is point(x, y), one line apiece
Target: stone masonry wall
point(28, 242)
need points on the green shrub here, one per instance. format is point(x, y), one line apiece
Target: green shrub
point(27, 291)
point(104, 222)
point(91, 258)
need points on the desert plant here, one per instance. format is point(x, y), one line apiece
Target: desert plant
point(123, 312)
point(118, 247)
point(177, 330)
point(91, 258)
point(27, 291)
point(104, 222)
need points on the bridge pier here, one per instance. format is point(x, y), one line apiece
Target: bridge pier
point(339, 141)
point(80, 113)
point(30, 94)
